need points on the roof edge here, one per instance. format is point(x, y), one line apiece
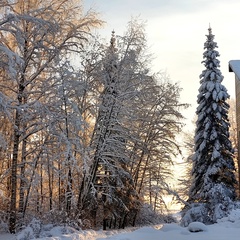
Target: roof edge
point(234, 66)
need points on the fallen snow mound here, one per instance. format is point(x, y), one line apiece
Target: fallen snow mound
point(171, 227)
point(197, 227)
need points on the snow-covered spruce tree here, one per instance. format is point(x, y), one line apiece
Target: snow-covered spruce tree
point(101, 194)
point(213, 188)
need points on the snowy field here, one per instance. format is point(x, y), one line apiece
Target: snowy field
point(226, 229)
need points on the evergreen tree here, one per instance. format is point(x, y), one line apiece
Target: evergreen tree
point(102, 191)
point(214, 181)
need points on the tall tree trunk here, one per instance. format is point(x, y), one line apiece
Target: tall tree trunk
point(30, 185)
point(16, 143)
point(22, 175)
point(16, 136)
point(59, 188)
point(69, 191)
point(49, 185)
point(41, 189)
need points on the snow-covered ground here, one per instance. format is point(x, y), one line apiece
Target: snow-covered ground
point(226, 229)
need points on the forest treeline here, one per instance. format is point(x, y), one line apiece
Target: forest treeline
point(87, 131)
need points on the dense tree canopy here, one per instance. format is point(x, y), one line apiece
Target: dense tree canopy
point(87, 132)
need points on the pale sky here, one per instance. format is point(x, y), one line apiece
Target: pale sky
point(176, 32)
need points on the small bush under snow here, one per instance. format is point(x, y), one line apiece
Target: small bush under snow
point(26, 234)
point(197, 227)
point(147, 216)
point(32, 231)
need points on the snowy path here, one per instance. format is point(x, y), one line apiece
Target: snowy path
point(226, 229)
point(6, 236)
point(221, 231)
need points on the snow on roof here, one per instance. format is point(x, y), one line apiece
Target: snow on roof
point(234, 66)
